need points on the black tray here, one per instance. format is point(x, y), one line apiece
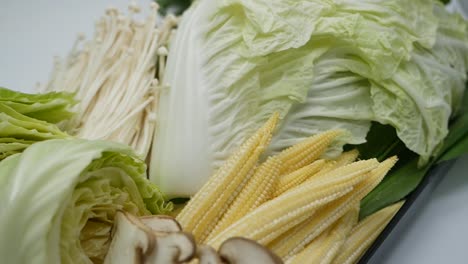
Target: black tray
point(381, 248)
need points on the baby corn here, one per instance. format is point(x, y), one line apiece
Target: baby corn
point(296, 204)
point(276, 216)
point(295, 178)
point(295, 239)
point(258, 190)
point(207, 207)
point(307, 151)
point(324, 248)
point(365, 233)
point(346, 157)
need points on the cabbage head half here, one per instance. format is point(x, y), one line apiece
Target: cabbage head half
point(322, 64)
point(58, 199)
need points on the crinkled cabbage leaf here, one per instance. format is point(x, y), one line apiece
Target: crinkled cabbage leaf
point(53, 107)
point(18, 131)
point(29, 118)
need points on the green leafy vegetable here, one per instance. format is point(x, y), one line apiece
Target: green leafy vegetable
point(59, 197)
point(18, 131)
point(29, 118)
point(407, 175)
point(394, 187)
point(456, 143)
point(320, 64)
point(173, 6)
point(53, 107)
point(381, 142)
point(461, 148)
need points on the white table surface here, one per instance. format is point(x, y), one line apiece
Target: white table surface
point(32, 32)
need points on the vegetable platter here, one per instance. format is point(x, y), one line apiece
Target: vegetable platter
point(223, 134)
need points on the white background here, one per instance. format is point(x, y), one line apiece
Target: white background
point(32, 32)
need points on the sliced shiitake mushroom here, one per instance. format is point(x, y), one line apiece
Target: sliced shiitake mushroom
point(161, 223)
point(208, 255)
point(159, 240)
point(173, 247)
point(131, 241)
point(134, 242)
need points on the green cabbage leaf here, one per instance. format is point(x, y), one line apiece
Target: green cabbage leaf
point(29, 118)
point(18, 131)
point(58, 199)
point(53, 107)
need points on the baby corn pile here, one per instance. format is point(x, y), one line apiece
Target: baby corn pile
point(298, 205)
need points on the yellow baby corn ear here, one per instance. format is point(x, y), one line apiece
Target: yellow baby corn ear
point(364, 234)
point(210, 203)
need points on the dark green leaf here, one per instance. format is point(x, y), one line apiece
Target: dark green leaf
point(455, 143)
point(458, 150)
point(179, 200)
point(380, 141)
point(383, 142)
point(395, 186)
point(173, 6)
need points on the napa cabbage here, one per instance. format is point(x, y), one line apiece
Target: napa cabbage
point(322, 64)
